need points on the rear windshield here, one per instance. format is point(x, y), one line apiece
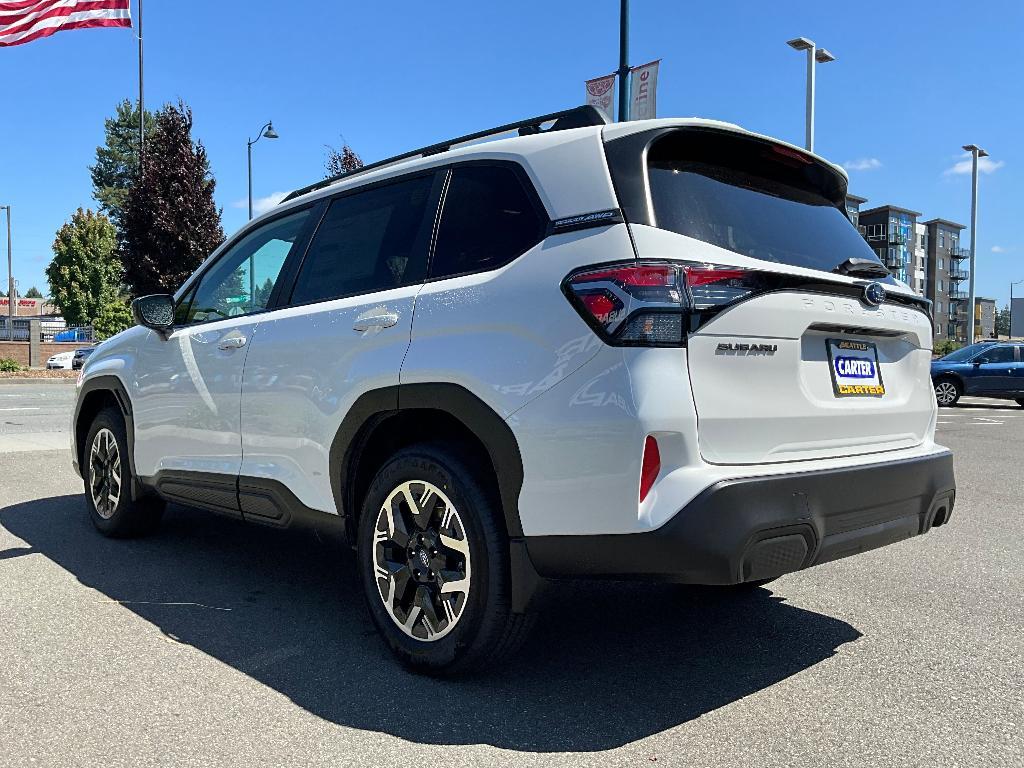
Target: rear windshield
point(752, 197)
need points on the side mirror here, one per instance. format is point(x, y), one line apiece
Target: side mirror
point(155, 311)
point(979, 361)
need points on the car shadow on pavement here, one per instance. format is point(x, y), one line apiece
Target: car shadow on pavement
point(608, 663)
point(995, 405)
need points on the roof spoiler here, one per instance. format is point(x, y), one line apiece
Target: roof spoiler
point(577, 117)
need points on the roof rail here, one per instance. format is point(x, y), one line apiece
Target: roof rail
point(577, 117)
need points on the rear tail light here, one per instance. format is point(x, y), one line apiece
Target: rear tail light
point(655, 303)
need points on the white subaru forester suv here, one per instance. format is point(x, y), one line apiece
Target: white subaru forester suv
point(646, 350)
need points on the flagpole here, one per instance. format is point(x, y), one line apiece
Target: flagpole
point(142, 103)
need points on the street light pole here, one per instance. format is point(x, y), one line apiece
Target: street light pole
point(815, 55)
point(976, 152)
point(10, 278)
point(268, 131)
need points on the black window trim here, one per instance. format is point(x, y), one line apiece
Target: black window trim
point(301, 243)
point(531, 193)
point(433, 204)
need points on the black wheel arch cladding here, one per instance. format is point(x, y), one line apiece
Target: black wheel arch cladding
point(374, 407)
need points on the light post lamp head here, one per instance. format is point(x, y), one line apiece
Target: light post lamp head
point(270, 133)
point(822, 56)
point(975, 148)
point(800, 44)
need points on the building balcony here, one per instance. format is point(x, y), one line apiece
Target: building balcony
point(956, 275)
point(898, 238)
point(894, 262)
point(959, 253)
point(958, 295)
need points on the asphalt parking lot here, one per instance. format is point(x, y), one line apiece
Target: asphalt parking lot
point(214, 643)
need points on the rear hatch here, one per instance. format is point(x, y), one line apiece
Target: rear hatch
point(793, 351)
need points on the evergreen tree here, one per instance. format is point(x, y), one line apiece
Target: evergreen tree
point(117, 161)
point(33, 293)
point(1003, 321)
point(170, 222)
point(85, 271)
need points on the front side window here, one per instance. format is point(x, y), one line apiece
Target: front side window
point(752, 197)
point(242, 279)
point(368, 241)
point(487, 221)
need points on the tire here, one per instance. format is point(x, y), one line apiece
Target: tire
point(947, 392)
point(108, 481)
point(437, 579)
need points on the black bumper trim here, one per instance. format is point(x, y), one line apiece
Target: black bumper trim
point(755, 528)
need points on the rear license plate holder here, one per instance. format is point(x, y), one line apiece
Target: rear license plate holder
point(854, 368)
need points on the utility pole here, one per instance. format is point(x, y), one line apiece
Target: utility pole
point(623, 71)
point(976, 152)
point(10, 278)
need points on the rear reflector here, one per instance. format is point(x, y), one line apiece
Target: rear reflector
point(650, 466)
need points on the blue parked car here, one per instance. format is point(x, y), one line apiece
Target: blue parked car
point(986, 369)
point(74, 334)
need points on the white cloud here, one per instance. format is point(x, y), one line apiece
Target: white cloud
point(1000, 249)
point(260, 204)
point(963, 165)
point(864, 164)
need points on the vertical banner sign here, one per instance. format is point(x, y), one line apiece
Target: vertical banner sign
point(643, 87)
point(601, 94)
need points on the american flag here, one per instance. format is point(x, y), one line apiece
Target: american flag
point(27, 20)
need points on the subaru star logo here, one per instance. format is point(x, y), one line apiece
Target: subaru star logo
point(874, 294)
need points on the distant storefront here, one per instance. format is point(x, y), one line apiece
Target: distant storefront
point(28, 307)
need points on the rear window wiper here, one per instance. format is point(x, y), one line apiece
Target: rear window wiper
point(862, 268)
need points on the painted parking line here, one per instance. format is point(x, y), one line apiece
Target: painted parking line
point(22, 442)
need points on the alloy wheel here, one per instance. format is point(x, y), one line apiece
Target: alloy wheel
point(421, 560)
point(105, 473)
point(945, 392)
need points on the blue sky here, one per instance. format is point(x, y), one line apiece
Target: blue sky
point(913, 82)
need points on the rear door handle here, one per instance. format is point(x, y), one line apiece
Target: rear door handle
point(378, 317)
point(232, 342)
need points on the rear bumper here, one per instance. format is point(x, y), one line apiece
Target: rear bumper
point(757, 528)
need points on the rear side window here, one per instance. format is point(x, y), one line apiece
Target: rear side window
point(488, 220)
point(753, 198)
point(368, 241)
point(997, 355)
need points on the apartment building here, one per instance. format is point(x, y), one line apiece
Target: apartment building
point(891, 232)
point(947, 271)
point(927, 256)
point(984, 318)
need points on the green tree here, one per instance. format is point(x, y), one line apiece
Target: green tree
point(117, 161)
point(1003, 321)
point(170, 223)
point(33, 293)
point(85, 271)
point(113, 317)
point(341, 161)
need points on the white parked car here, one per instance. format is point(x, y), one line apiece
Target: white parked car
point(60, 360)
point(654, 349)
